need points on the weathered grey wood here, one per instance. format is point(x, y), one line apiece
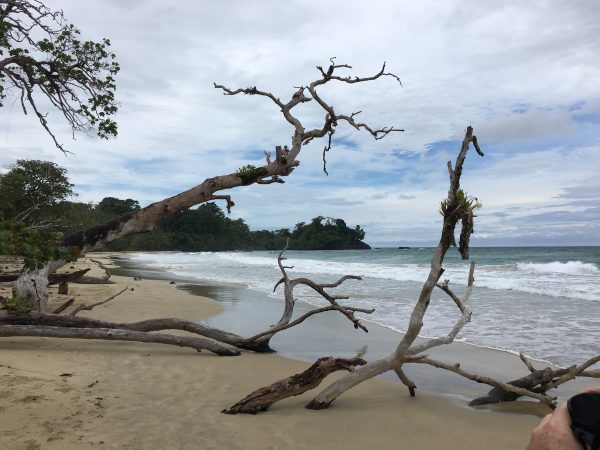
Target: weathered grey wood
point(64, 306)
point(84, 307)
point(394, 361)
point(115, 335)
point(45, 319)
point(285, 321)
point(57, 278)
point(63, 288)
point(263, 398)
point(53, 278)
point(499, 394)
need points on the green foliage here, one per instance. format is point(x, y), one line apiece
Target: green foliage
point(45, 57)
point(115, 207)
point(250, 173)
point(209, 229)
point(13, 304)
point(35, 246)
point(464, 204)
point(326, 234)
point(30, 187)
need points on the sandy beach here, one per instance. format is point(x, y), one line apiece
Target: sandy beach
point(75, 394)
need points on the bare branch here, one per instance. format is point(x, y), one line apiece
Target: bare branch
point(462, 321)
point(84, 307)
point(405, 347)
point(249, 91)
point(64, 306)
point(549, 401)
point(527, 362)
point(573, 372)
point(115, 335)
point(230, 204)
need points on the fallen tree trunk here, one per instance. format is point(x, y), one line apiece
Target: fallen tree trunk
point(55, 320)
point(146, 219)
point(115, 335)
point(9, 277)
point(263, 398)
point(56, 278)
point(53, 278)
point(92, 280)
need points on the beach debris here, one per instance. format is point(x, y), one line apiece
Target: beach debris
point(64, 306)
point(66, 375)
point(262, 399)
point(84, 307)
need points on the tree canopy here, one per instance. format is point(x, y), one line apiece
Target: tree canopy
point(207, 228)
point(30, 186)
point(37, 193)
point(44, 57)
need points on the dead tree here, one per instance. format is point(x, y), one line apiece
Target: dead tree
point(458, 206)
point(31, 286)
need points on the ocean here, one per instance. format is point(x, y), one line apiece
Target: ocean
point(543, 301)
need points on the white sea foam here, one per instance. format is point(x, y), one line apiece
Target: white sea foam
point(561, 300)
point(573, 279)
point(570, 268)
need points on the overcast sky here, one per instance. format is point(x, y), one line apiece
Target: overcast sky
point(525, 75)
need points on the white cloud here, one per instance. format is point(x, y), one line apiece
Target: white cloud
point(460, 62)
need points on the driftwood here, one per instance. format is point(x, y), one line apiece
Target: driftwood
point(257, 343)
point(54, 278)
point(263, 398)
point(112, 334)
point(538, 381)
point(57, 278)
point(289, 285)
point(68, 321)
point(83, 307)
point(63, 288)
point(64, 306)
point(8, 277)
point(534, 385)
point(455, 212)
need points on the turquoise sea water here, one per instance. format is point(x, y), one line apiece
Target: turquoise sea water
point(544, 301)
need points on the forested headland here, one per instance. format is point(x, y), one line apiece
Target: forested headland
point(38, 193)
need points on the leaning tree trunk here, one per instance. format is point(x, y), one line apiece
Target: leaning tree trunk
point(285, 162)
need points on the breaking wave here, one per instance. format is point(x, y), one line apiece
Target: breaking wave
point(569, 268)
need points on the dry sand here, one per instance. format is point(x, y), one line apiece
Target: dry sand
point(74, 394)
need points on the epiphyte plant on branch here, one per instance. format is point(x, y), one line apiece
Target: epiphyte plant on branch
point(44, 58)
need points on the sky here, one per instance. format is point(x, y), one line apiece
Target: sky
point(525, 75)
